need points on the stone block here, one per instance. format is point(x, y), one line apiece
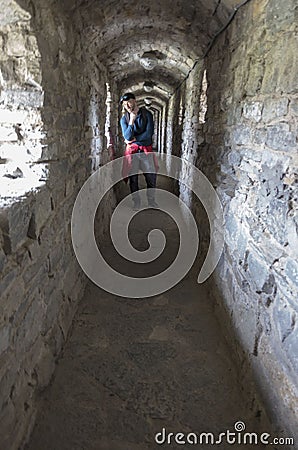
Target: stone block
point(291, 237)
point(291, 272)
point(26, 98)
point(265, 322)
point(48, 289)
point(22, 307)
point(285, 63)
point(258, 271)
point(270, 77)
point(269, 248)
point(31, 43)
point(259, 136)
point(294, 106)
point(37, 272)
point(14, 222)
point(241, 246)
point(12, 298)
point(45, 367)
point(56, 257)
point(269, 286)
point(20, 71)
point(255, 76)
point(7, 280)
point(280, 138)
point(283, 318)
point(242, 135)
point(7, 71)
point(29, 359)
point(4, 337)
point(15, 45)
point(42, 209)
point(53, 304)
point(30, 327)
point(232, 227)
point(275, 108)
point(69, 186)
point(249, 168)
point(291, 345)
point(234, 158)
point(253, 111)
point(55, 339)
point(276, 214)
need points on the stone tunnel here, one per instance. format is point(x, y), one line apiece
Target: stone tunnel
point(81, 368)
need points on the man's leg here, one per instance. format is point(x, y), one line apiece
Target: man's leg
point(148, 168)
point(134, 188)
point(134, 183)
point(151, 183)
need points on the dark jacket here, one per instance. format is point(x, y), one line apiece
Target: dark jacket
point(142, 129)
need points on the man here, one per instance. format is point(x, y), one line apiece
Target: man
point(137, 129)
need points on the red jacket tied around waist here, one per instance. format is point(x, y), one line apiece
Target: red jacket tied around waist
point(127, 161)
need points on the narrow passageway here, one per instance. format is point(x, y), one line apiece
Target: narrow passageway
point(133, 367)
point(81, 367)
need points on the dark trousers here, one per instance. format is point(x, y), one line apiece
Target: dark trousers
point(144, 162)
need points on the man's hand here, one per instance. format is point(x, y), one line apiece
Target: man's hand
point(130, 142)
point(133, 115)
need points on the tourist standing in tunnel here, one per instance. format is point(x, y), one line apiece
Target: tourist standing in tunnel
point(137, 128)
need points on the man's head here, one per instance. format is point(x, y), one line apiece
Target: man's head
point(128, 100)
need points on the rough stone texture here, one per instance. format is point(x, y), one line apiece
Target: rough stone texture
point(255, 173)
point(55, 132)
point(110, 24)
point(247, 148)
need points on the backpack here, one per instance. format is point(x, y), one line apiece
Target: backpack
point(143, 112)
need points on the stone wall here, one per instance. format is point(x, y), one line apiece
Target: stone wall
point(55, 85)
point(191, 134)
point(21, 99)
point(41, 281)
point(250, 155)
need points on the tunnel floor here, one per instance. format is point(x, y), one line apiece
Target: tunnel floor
point(131, 367)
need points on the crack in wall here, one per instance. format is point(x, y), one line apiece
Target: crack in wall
point(216, 8)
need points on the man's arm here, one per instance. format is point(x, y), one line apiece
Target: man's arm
point(127, 130)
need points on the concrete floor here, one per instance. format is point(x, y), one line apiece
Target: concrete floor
point(131, 367)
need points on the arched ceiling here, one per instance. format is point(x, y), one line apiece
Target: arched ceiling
point(164, 81)
point(118, 33)
point(138, 89)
